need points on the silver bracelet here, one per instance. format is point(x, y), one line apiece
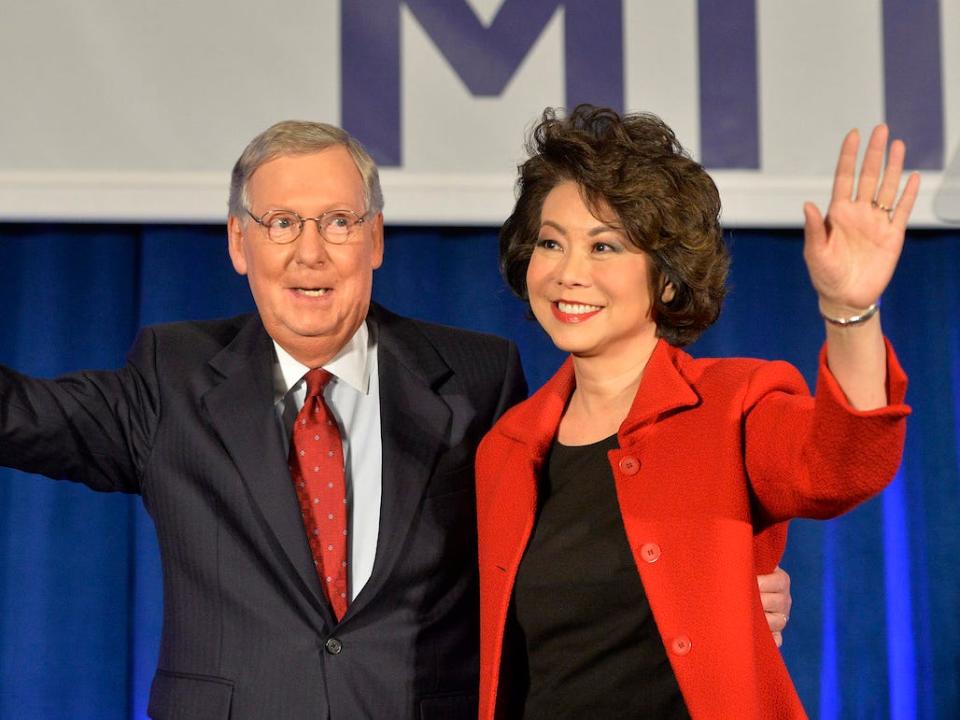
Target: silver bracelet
point(853, 319)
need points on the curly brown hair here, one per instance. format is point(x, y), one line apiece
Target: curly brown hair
point(666, 204)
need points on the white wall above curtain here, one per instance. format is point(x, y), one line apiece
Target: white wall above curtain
point(136, 110)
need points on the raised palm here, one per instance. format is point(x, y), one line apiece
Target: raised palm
point(851, 255)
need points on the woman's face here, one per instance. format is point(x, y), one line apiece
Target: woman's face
point(589, 287)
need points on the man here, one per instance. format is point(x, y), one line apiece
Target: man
point(250, 466)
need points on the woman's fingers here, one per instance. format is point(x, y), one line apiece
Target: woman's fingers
point(901, 212)
point(846, 167)
point(872, 164)
point(887, 194)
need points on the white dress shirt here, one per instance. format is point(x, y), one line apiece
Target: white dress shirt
point(353, 396)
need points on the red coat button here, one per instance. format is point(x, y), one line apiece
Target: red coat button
point(650, 552)
point(629, 465)
point(680, 645)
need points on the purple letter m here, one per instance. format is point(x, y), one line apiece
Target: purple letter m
point(485, 58)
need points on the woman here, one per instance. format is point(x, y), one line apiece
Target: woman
point(626, 506)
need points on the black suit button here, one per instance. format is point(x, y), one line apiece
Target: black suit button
point(333, 646)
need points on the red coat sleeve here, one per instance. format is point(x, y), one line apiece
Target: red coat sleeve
point(818, 457)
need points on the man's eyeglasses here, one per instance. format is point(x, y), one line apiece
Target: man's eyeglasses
point(285, 226)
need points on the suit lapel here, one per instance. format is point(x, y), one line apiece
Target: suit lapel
point(662, 390)
point(241, 411)
point(415, 427)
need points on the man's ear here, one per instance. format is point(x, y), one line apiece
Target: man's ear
point(235, 244)
point(377, 239)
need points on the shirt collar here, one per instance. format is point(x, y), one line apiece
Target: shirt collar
point(350, 365)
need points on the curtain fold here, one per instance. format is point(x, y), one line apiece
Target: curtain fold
point(874, 632)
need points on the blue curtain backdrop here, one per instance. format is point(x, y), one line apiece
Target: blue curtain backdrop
point(875, 630)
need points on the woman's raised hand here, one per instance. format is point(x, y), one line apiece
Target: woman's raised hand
point(851, 255)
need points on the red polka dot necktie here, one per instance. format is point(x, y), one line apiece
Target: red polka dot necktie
point(316, 466)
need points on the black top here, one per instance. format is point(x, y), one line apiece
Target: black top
point(584, 642)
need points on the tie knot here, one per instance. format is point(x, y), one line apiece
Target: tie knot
point(317, 380)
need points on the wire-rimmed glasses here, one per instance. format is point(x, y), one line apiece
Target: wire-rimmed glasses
point(285, 226)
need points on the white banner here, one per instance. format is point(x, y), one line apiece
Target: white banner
point(126, 110)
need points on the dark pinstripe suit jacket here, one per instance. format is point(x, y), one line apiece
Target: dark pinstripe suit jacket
point(189, 423)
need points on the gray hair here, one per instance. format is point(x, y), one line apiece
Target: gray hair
point(301, 137)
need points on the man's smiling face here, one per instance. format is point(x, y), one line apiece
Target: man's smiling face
point(311, 295)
